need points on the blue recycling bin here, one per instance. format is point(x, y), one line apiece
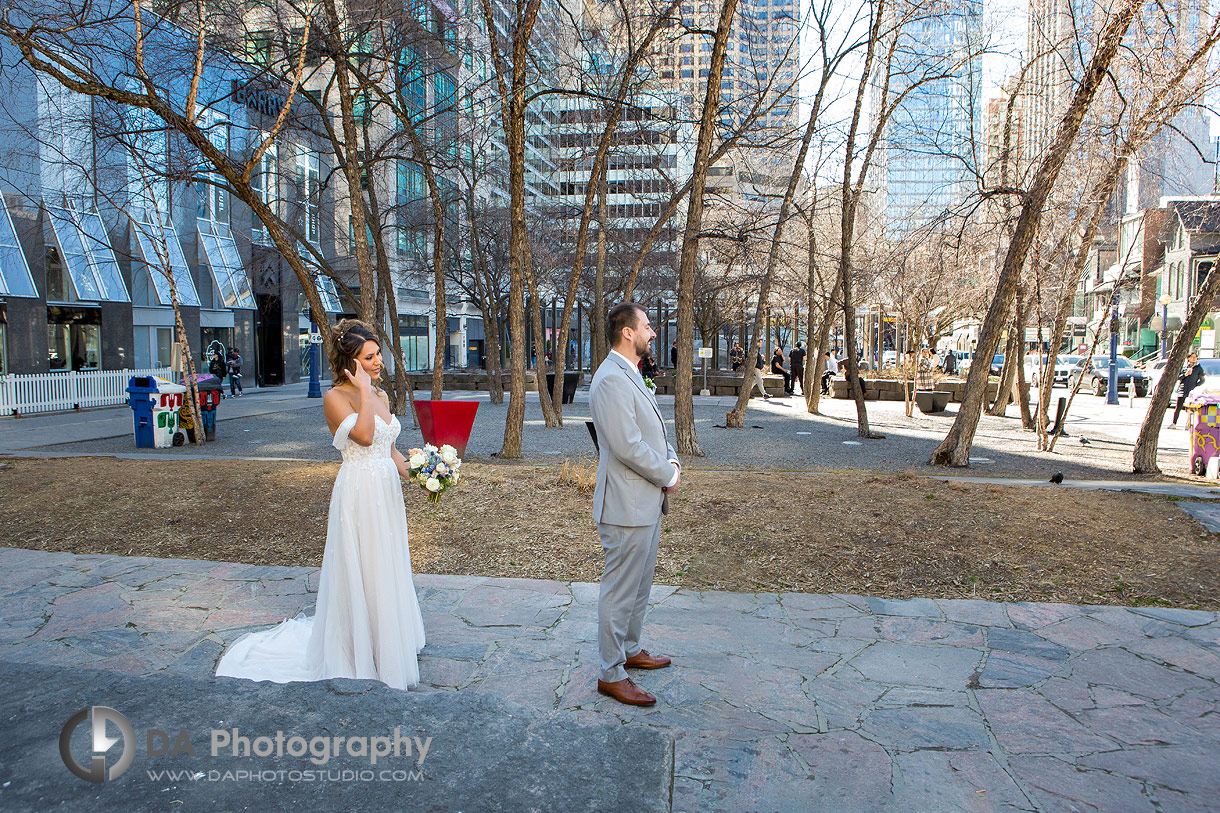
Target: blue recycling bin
point(140, 392)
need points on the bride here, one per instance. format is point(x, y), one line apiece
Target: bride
point(367, 622)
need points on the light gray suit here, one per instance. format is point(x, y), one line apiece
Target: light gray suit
point(635, 464)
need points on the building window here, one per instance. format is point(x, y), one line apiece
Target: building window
point(85, 253)
point(162, 252)
point(15, 277)
point(224, 262)
point(265, 181)
point(74, 338)
point(214, 200)
point(414, 85)
point(413, 338)
point(308, 178)
point(154, 346)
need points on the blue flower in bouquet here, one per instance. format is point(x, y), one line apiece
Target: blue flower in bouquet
point(434, 470)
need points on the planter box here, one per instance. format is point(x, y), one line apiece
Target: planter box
point(932, 401)
point(442, 422)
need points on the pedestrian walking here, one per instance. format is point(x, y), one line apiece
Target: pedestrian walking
point(1191, 378)
point(757, 373)
point(235, 362)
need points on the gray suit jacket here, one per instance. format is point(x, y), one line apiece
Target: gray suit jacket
point(634, 455)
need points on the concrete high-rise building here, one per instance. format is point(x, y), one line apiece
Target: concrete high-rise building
point(1060, 36)
point(762, 61)
point(929, 160)
point(1003, 138)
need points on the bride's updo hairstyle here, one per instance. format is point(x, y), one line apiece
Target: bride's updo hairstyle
point(349, 338)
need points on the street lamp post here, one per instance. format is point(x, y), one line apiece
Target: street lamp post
point(1112, 381)
point(315, 341)
point(1165, 300)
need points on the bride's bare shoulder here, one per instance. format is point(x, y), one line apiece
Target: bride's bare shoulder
point(336, 405)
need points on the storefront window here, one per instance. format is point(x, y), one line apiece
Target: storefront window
point(74, 347)
point(215, 338)
point(413, 337)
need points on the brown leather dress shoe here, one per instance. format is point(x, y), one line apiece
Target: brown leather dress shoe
point(624, 691)
point(642, 660)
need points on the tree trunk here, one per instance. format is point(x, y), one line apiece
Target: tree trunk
point(598, 176)
point(954, 450)
point(512, 109)
point(813, 398)
point(1143, 460)
point(999, 407)
point(684, 405)
point(550, 418)
point(1027, 419)
point(736, 418)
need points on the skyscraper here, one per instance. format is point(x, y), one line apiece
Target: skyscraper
point(929, 162)
point(761, 69)
point(1061, 35)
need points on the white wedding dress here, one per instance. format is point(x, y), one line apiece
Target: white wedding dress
point(367, 622)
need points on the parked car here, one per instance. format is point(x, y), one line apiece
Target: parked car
point(1063, 369)
point(889, 358)
point(1211, 373)
point(1154, 370)
point(997, 364)
point(1095, 375)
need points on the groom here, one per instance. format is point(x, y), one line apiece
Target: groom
point(636, 470)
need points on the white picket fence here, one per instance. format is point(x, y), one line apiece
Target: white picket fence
point(53, 392)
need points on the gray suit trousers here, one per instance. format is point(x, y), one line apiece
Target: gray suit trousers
point(631, 558)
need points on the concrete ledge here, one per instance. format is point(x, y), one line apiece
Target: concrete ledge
point(884, 389)
point(486, 753)
point(721, 384)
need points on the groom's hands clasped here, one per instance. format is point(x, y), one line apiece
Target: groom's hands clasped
point(677, 480)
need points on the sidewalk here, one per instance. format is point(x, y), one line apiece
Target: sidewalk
point(775, 701)
point(30, 432)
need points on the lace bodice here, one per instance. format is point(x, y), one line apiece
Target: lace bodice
point(384, 435)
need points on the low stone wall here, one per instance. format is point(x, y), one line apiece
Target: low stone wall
point(719, 384)
point(891, 390)
point(474, 380)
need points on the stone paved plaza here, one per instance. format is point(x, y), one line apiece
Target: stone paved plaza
point(779, 434)
point(774, 702)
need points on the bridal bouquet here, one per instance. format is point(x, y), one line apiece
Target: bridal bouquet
point(434, 470)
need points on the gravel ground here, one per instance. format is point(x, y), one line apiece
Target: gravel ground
point(779, 435)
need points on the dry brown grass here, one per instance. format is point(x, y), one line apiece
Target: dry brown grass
point(885, 535)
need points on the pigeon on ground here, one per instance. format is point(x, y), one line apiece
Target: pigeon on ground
point(1084, 441)
point(1057, 477)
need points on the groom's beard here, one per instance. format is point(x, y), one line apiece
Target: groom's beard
point(641, 346)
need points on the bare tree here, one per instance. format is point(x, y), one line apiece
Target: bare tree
point(955, 448)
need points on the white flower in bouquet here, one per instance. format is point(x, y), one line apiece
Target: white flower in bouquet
point(433, 484)
point(441, 469)
point(449, 455)
point(417, 460)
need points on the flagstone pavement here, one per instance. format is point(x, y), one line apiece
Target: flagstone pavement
point(775, 701)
